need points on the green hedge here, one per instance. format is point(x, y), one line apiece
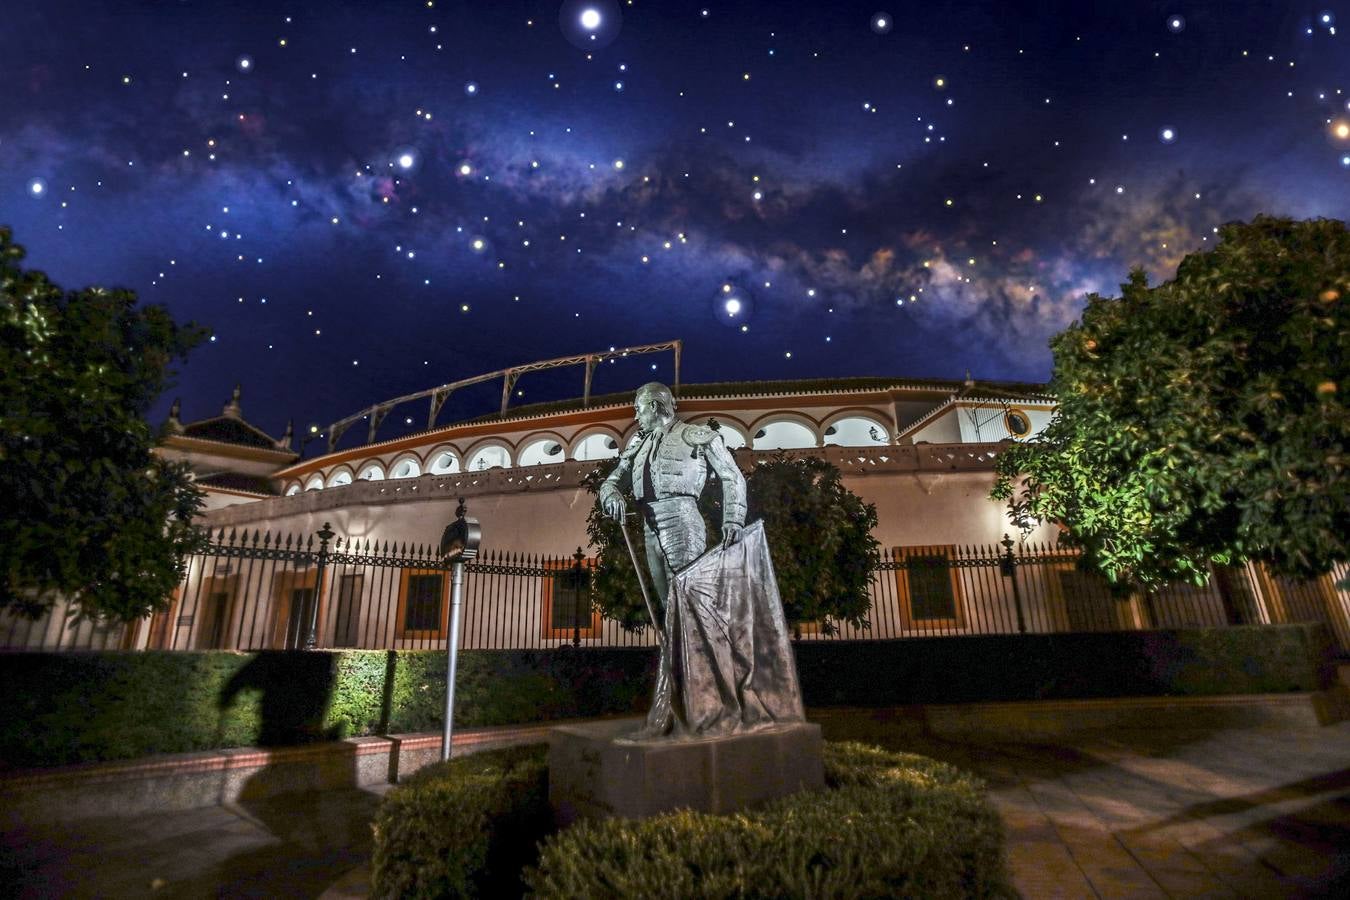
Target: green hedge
point(888, 824)
point(87, 707)
point(1243, 659)
point(463, 828)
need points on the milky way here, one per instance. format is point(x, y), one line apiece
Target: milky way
point(363, 200)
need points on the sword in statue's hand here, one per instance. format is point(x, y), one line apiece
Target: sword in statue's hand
point(642, 582)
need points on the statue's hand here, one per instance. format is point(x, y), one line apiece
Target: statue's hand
point(615, 508)
point(731, 533)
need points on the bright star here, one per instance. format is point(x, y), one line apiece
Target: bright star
point(405, 161)
point(590, 19)
point(733, 306)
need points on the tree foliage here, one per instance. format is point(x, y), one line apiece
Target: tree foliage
point(1204, 419)
point(819, 533)
point(88, 512)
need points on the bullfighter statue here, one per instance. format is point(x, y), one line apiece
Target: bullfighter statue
point(726, 662)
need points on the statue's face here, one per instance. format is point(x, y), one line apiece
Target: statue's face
point(647, 410)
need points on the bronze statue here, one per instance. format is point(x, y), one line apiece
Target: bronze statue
point(726, 663)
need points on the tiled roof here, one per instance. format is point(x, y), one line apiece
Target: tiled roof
point(229, 430)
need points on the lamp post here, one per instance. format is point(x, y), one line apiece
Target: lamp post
point(459, 544)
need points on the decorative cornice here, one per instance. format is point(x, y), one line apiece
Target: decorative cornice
point(689, 400)
point(225, 448)
point(852, 462)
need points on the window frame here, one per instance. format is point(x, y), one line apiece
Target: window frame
point(546, 629)
point(401, 632)
point(904, 604)
point(1007, 422)
point(284, 585)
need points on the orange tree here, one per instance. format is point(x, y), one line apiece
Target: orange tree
point(1203, 420)
point(819, 534)
point(88, 514)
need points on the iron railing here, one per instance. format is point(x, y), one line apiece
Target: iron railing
point(252, 591)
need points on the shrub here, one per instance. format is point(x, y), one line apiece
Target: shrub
point(109, 705)
point(891, 824)
point(465, 828)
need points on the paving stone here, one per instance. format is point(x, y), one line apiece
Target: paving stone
point(1046, 869)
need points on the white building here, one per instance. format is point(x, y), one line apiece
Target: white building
point(922, 451)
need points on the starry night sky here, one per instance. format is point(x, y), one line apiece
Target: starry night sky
point(367, 199)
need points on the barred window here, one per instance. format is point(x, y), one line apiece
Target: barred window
point(570, 601)
point(424, 602)
point(566, 601)
point(929, 587)
point(421, 607)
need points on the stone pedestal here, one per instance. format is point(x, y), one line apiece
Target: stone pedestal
point(594, 773)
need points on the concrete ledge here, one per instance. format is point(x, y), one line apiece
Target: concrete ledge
point(191, 780)
point(594, 772)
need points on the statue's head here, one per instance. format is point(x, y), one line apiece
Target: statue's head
point(653, 406)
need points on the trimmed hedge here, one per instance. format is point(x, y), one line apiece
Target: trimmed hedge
point(463, 828)
point(1242, 659)
point(88, 707)
point(889, 824)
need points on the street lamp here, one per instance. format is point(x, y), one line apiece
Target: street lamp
point(459, 544)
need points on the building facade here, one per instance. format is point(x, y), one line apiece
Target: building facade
point(921, 451)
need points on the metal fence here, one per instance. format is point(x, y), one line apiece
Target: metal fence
point(252, 591)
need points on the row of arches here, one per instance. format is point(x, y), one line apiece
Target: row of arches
point(783, 431)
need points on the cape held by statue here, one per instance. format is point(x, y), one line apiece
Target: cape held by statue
point(731, 659)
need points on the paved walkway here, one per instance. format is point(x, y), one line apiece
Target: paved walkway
point(1229, 813)
point(1225, 814)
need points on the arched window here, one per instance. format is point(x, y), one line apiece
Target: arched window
point(857, 431)
point(732, 436)
point(490, 457)
point(542, 452)
point(597, 446)
point(373, 472)
point(339, 478)
point(444, 463)
point(315, 482)
point(292, 490)
point(783, 435)
point(406, 468)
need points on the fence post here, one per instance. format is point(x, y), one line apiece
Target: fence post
point(1008, 566)
point(325, 535)
point(576, 606)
